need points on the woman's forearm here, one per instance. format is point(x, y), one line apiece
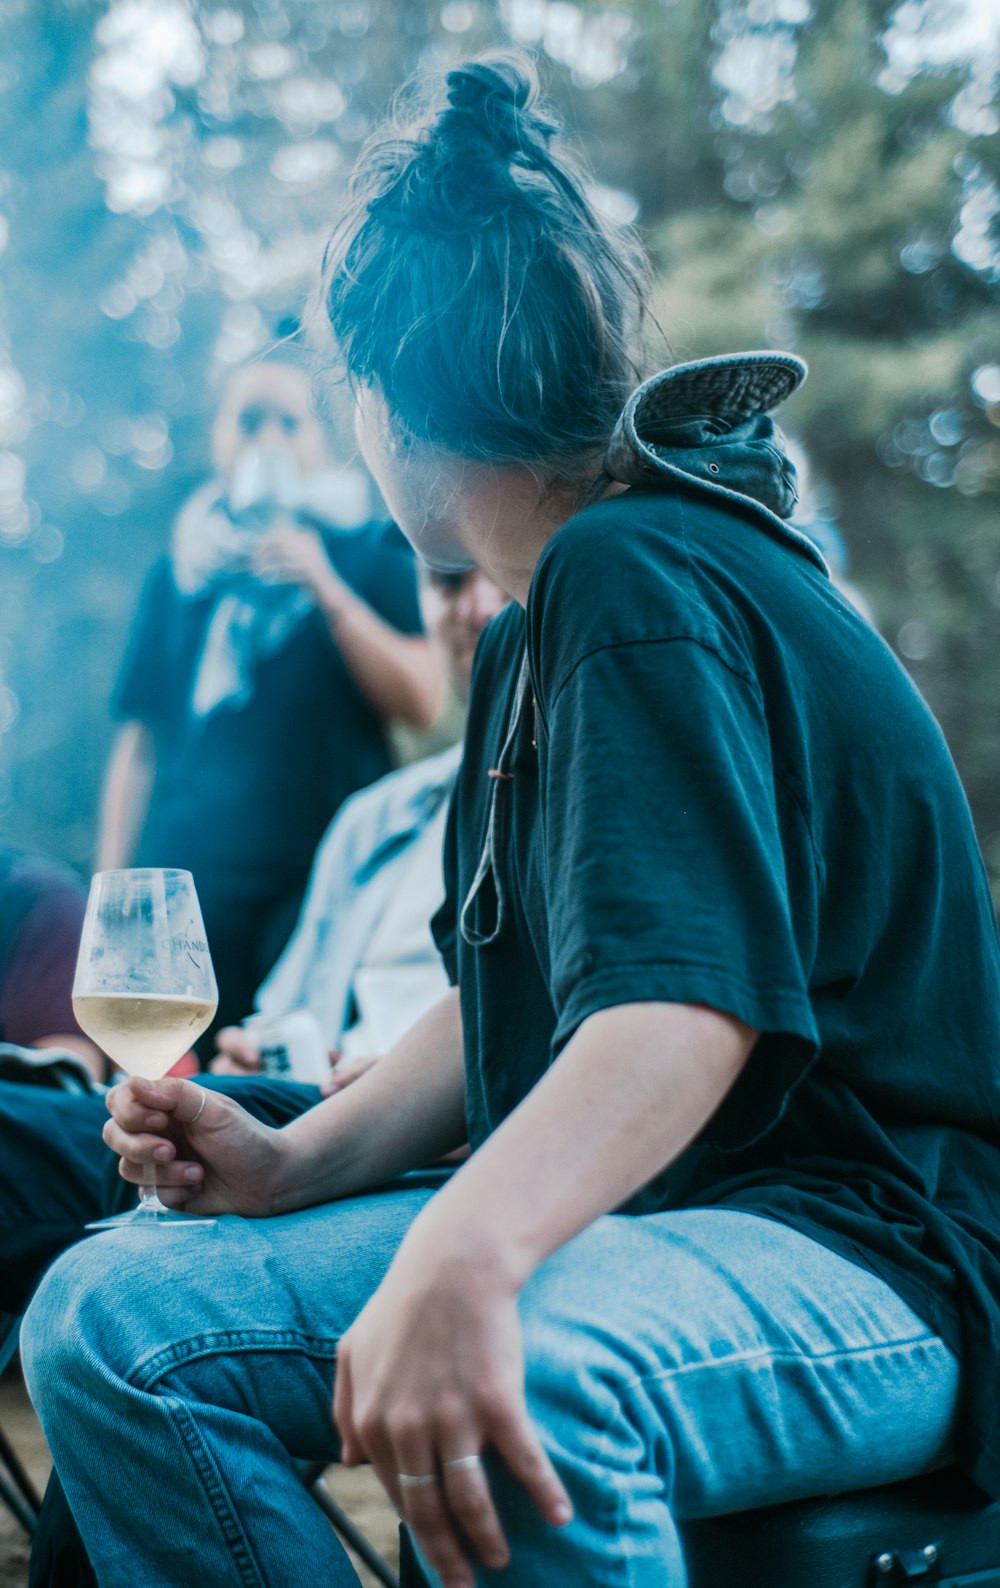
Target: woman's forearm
point(408, 1110)
point(630, 1091)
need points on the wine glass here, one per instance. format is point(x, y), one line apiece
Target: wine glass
point(144, 988)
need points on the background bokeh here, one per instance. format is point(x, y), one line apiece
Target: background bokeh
point(819, 175)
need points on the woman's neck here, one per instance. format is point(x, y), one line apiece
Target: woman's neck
point(510, 518)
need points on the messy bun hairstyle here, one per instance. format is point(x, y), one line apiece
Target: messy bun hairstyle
point(473, 282)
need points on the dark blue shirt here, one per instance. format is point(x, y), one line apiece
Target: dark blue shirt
point(247, 793)
point(726, 791)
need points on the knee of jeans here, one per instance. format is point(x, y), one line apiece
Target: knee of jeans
point(580, 1388)
point(84, 1319)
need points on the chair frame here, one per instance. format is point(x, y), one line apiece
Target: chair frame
point(313, 1476)
point(17, 1491)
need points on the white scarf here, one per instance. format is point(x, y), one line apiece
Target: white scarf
point(212, 556)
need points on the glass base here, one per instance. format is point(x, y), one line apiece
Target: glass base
point(143, 1220)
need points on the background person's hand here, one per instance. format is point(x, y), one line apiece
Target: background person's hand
point(288, 555)
point(209, 1154)
point(344, 1071)
point(235, 1053)
point(429, 1375)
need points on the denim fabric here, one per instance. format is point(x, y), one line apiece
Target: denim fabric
point(679, 1365)
point(56, 1173)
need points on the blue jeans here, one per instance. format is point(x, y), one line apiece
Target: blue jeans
point(679, 1365)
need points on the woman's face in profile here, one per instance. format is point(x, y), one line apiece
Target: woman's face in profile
point(427, 491)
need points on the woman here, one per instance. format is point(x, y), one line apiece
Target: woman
point(727, 993)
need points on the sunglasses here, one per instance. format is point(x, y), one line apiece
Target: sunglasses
point(445, 581)
point(252, 420)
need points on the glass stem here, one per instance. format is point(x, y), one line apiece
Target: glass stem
point(150, 1205)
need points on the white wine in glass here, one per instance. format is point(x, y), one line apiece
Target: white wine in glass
point(144, 988)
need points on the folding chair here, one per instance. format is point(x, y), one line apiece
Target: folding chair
point(937, 1530)
point(17, 1491)
point(315, 1481)
point(58, 1070)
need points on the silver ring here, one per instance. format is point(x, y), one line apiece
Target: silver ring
point(463, 1461)
point(422, 1480)
point(204, 1099)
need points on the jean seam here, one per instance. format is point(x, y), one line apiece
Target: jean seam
point(216, 1494)
point(741, 1358)
point(639, 1381)
point(220, 1342)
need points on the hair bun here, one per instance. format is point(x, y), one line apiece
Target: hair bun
point(492, 98)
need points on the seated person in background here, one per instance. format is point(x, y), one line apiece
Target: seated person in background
point(41, 913)
point(380, 870)
point(273, 644)
point(361, 960)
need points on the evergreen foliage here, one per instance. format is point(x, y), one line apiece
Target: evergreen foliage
point(814, 174)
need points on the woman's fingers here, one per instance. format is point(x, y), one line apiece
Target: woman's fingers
point(401, 1448)
point(143, 1147)
point(517, 1442)
point(434, 1475)
point(134, 1113)
point(425, 1508)
point(181, 1173)
point(352, 1453)
point(469, 1500)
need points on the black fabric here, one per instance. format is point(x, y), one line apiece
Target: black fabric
point(728, 792)
point(831, 1542)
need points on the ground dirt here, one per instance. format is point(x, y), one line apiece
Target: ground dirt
point(357, 1492)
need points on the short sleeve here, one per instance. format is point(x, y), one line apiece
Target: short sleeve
point(663, 848)
point(444, 922)
point(390, 582)
point(139, 692)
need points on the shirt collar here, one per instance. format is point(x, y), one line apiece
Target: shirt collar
point(704, 424)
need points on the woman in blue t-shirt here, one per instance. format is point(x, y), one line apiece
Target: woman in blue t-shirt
point(725, 1028)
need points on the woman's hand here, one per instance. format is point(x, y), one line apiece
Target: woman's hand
point(431, 1375)
point(297, 556)
point(344, 1072)
point(209, 1154)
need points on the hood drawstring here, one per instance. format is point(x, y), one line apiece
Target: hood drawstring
point(501, 776)
point(489, 859)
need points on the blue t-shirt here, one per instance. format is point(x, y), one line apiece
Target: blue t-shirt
point(246, 793)
point(727, 791)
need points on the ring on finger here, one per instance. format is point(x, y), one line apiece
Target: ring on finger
point(463, 1461)
point(204, 1099)
point(420, 1480)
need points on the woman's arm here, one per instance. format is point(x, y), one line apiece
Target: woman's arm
point(400, 675)
point(629, 1093)
point(431, 1371)
point(212, 1156)
point(127, 787)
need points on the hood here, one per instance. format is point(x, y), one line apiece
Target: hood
point(705, 425)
